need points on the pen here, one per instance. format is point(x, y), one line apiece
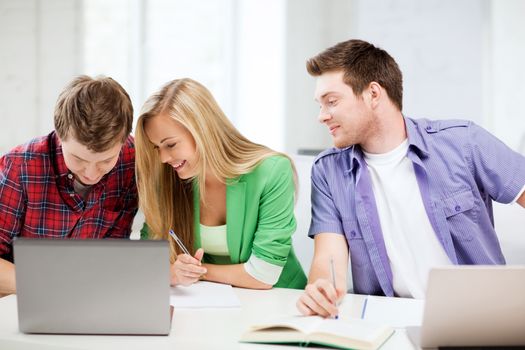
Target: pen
point(364, 308)
point(179, 242)
point(332, 271)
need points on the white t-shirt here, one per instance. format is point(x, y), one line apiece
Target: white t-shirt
point(411, 244)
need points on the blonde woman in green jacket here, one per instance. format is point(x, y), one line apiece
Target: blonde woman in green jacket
point(230, 200)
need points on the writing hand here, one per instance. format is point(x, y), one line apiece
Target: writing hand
point(187, 269)
point(320, 298)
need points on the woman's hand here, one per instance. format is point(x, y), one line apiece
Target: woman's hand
point(187, 269)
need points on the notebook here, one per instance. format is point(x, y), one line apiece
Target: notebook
point(395, 312)
point(473, 306)
point(92, 286)
point(305, 330)
point(203, 294)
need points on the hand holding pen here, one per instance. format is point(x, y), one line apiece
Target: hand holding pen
point(187, 269)
point(321, 297)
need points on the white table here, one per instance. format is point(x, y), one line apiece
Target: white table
point(191, 328)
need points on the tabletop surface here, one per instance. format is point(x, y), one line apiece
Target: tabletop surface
point(191, 328)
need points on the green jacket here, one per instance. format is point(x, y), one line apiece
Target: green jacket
point(260, 219)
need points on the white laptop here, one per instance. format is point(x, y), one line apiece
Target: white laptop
point(106, 286)
point(473, 306)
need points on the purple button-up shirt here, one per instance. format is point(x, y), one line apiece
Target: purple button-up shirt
point(460, 169)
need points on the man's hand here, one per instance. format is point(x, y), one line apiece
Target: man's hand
point(329, 269)
point(7, 278)
point(521, 200)
point(320, 298)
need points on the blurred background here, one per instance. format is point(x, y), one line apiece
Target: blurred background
point(460, 59)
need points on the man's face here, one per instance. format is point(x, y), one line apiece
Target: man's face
point(87, 166)
point(346, 115)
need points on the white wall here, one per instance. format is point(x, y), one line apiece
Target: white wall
point(303, 245)
point(507, 111)
point(507, 74)
point(39, 53)
point(459, 59)
point(311, 26)
point(260, 72)
point(439, 47)
point(509, 223)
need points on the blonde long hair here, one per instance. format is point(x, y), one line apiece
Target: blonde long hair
point(165, 199)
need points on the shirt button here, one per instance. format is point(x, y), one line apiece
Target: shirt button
point(457, 208)
point(69, 176)
point(71, 194)
point(428, 128)
point(352, 234)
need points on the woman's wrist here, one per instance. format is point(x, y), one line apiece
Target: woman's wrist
point(173, 276)
point(204, 277)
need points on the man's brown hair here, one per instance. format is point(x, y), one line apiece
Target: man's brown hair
point(362, 63)
point(97, 112)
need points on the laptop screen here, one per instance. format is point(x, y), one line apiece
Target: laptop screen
point(92, 286)
point(474, 306)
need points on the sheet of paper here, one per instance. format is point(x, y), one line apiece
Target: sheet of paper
point(204, 295)
point(395, 312)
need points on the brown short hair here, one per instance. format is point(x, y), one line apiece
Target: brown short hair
point(362, 63)
point(97, 112)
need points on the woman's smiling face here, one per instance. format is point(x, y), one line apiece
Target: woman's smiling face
point(175, 144)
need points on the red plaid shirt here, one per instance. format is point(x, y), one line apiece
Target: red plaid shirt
point(37, 198)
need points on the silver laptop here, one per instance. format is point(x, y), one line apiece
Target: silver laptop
point(92, 286)
point(473, 306)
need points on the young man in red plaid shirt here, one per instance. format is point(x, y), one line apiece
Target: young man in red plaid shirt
point(76, 182)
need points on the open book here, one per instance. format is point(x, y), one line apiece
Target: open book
point(304, 330)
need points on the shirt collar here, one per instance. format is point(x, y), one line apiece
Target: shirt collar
point(356, 158)
point(56, 151)
point(416, 143)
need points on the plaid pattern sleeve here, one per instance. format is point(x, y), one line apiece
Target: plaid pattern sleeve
point(37, 197)
point(11, 205)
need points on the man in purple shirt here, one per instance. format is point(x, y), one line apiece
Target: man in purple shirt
point(396, 195)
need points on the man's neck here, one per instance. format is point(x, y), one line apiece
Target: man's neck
point(389, 132)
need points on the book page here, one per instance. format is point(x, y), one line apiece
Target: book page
point(204, 294)
point(303, 324)
point(347, 334)
point(395, 312)
point(352, 329)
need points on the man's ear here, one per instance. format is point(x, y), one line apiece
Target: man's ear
point(374, 93)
